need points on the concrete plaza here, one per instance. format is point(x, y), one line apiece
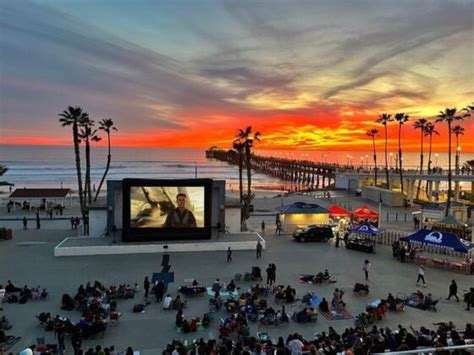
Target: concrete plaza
point(28, 260)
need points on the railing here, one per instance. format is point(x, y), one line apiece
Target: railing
point(432, 350)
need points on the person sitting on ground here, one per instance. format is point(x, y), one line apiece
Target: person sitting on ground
point(231, 286)
point(195, 283)
point(167, 302)
point(257, 290)
point(427, 302)
point(216, 286)
point(67, 303)
point(178, 303)
point(307, 297)
point(312, 313)
point(302, 316)
point(179, 318)
point(324, 305)
point(10, 288)
point(290, 294)
point(283, 316)
point(337, 299)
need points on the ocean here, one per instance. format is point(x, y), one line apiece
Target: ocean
point(54, 166)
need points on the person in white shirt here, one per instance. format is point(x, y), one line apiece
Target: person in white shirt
point(421, 276)
point(296, 346)
point(167, 302)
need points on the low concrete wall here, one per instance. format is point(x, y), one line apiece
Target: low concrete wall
point(388, 197)
point(62, 250)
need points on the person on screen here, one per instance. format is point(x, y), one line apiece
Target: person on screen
point(180, 217)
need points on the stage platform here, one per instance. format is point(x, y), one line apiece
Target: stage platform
point(81, 246)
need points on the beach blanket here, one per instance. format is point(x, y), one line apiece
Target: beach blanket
point(5, 346)
point(337, 314)
point(223, 293)
point(314, 302)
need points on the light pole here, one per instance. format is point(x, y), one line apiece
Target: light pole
point(367, 162)
point(347, 156)
point(436, 160)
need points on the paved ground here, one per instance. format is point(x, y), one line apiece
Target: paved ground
point(28, 259)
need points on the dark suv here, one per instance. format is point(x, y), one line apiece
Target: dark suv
point(314, 233)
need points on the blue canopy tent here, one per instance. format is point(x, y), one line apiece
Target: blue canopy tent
point(366, 228)
point(445, 240)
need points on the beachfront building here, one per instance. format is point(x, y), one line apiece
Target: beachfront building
point(31, 199)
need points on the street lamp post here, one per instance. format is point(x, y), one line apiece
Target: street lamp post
point(458, 159)
point(436, 160)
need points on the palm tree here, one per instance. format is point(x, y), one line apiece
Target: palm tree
point(400, 118)
point(238, 146)
point(373, 133)
point(248, 139)
point(458, 131)
point(72, 117)
point(88, 134)
point(448, 116)
point(106, 125)
point(384, 119)
point(420, 124)
point(430, 130)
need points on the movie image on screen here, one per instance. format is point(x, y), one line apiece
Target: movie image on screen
point(167, 207)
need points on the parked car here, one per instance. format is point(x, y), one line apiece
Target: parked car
point(314, 233)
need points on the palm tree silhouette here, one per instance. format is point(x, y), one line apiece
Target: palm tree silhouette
point(373, 133)
point(384, 120)
point(458, 131)
point(238, 146)
point(248, 139)
point(420, 124)
point(448, 116)
point(88, 134)
point(430, 130)
point(71, 117)
point(401, 118)
point(106, 125)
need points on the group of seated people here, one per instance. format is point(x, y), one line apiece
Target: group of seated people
point(287, 294)
point(13, 294)
point(218, 287)
point(236, 325)
point(319, 278)
point(306, 315)
point(372, 313)
point(187, 326)
point(356, 341)
point(418, 300)
point(192, 290)
point(176, 303)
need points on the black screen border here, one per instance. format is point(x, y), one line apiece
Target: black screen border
point(130, 234)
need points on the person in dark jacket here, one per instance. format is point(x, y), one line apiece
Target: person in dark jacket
point(453, 290)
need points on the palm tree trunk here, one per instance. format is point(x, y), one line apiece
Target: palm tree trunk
point(386, 158)
point(109, 158)
point(429, 183)
point(241, 187)
point(249, 182)
point(400, 164)
point(448, 202)
point(421, 166)
point(88, 172)
point(77, 153)
point(375, 161)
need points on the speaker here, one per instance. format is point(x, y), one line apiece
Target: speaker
point(166, 268)
point(165, 261)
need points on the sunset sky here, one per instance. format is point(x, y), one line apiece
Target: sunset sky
point(306, 74)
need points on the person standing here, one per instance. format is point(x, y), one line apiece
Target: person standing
point(263, 227)
point(259, 250)
point(366, 268)
point(274, 270)
point(421, 276)
point(146, 287)
point(269, 274)
point(38, 221)
point(453, 290)
point(229, 255)
point(72, 222)
point(25, 223)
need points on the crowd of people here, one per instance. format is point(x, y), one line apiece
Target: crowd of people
point(357, 341)
point(13, 294)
